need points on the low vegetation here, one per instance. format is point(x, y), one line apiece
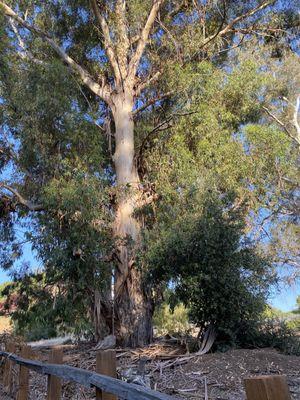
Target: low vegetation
point(273, 328)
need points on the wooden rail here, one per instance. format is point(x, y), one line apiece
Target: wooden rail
point(107, 387)
point(88, 379)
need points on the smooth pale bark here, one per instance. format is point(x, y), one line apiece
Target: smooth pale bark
point(132, 301)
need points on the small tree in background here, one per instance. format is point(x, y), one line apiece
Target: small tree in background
point(220, 278)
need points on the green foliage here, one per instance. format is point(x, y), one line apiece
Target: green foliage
point(220, 166)
point(62, 160)
point(297, 311)
point(276, 333)
point(223, 142)
point(3, 287)
point(215, 173)
point(220, 278)
point(171, 321)
point(293, 318)
point(270, 313)
point(44, 311)
point(294, 324)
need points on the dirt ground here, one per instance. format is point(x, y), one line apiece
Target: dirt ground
point(222, 374)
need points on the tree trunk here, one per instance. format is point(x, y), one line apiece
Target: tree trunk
point(101, 314)
point(133, 307)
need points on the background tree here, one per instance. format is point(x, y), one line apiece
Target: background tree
point(218, 276)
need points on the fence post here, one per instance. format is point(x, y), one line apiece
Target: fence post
point(54, 383)
point(23, 390)
point(106, 364)
point(269, 387)
point(8, 373)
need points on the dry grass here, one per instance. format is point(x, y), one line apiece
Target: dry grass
point(5, 325)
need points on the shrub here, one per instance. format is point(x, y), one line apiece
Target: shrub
point(272, 332)
point(216, 273)
point(175, 321)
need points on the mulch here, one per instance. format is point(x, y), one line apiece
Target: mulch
point(3, 395)
point(173, 372)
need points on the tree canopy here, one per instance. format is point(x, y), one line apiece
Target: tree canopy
point(145, 142)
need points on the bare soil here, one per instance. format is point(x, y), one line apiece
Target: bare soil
point(224, 373)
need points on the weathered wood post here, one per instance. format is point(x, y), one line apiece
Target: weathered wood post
point(8, 373)
point(106, 364)
point(54, 383)
point(269, 387)
point(23, 389)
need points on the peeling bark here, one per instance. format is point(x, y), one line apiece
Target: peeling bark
point(101, 314)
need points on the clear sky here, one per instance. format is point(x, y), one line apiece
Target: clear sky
point(285, 298)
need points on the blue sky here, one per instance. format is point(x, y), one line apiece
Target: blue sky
point(285, 298)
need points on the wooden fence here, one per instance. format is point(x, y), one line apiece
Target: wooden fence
point(104, 381)
point(105, 385)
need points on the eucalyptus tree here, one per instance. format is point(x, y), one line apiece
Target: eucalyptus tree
point(125, 57)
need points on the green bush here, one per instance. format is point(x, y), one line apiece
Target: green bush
point(294, 324)
point(42, 311)
point(220, 278)
point(272, 332)
point(175, 321)
point(278, 334)
point(3, 286)
point(39, 332)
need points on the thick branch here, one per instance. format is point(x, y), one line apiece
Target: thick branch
point(123, 42)
point(21, 200)
point(280, 123)
point(236, 20)
point(134, 63)
point(151, 102)
point(24, 53)
point(99, 90)
point(295, 120)
point(107, 40)
point(246, 15)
